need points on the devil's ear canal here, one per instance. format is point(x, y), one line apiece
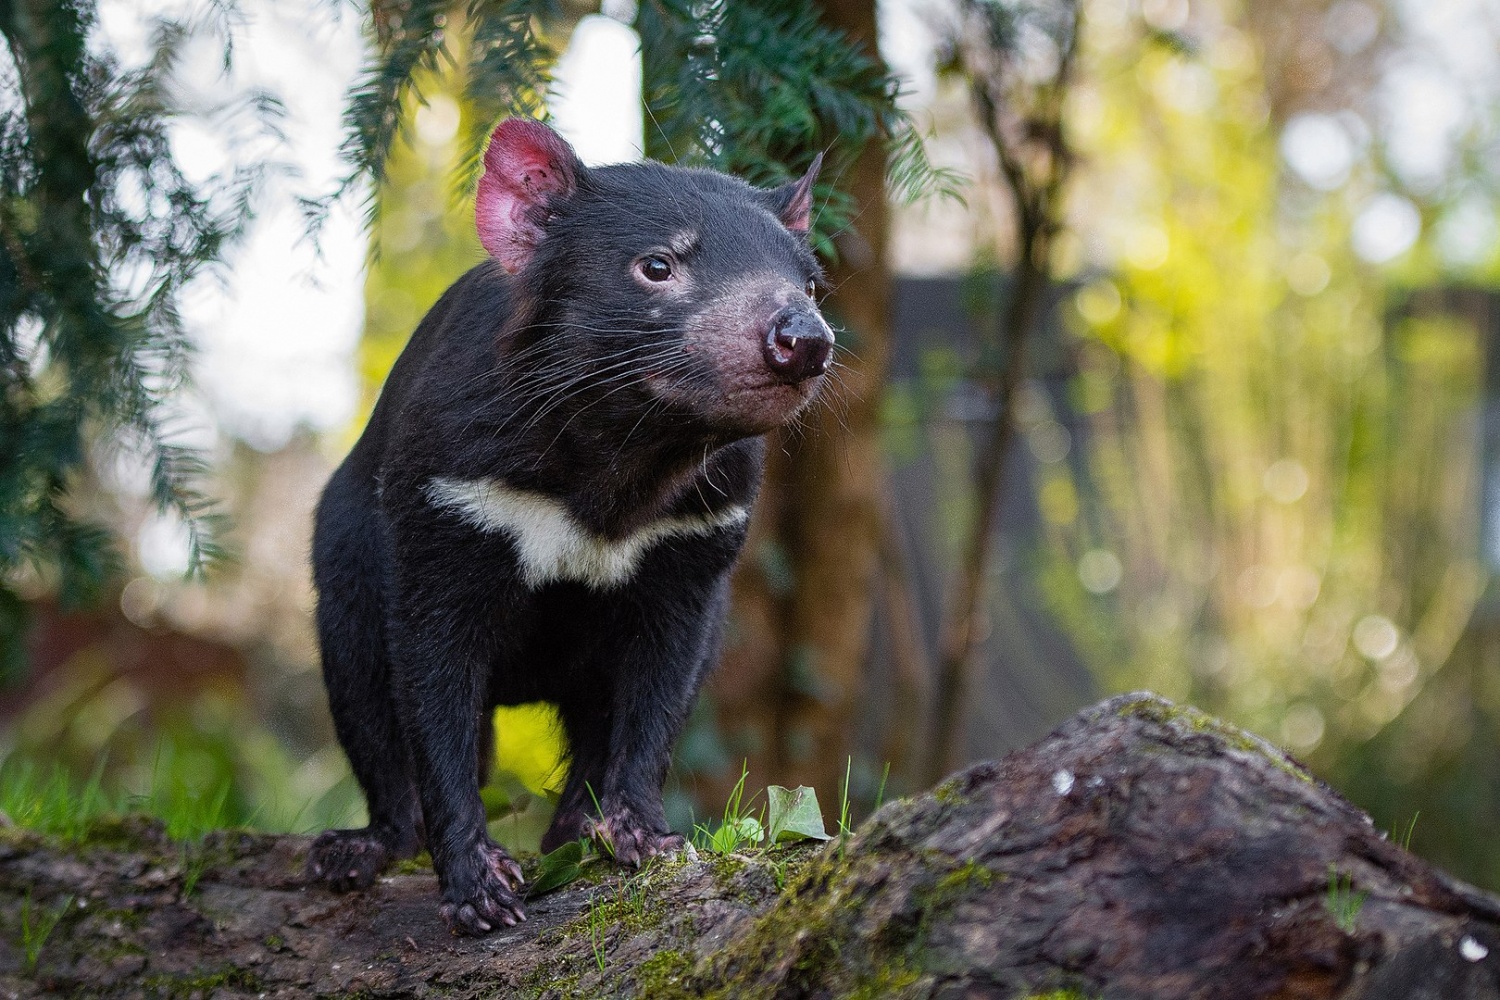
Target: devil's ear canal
point(794, 201)
point(526, 166)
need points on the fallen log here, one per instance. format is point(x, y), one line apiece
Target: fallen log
point(1140, 851)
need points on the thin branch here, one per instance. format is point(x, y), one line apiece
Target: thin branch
point(1038, 203)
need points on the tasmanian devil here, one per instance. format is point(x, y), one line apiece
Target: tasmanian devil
point(548, 498)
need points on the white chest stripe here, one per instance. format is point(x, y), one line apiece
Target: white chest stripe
point(550, 543)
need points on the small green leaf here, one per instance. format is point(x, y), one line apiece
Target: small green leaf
point(794, 814)
point(557, 869)
point(735, 832)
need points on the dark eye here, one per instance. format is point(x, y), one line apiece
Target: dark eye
point(655, 268)
point(812, 288)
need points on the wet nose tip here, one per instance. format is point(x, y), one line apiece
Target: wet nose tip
point(798, 347)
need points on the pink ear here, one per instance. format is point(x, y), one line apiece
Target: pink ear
point(795, 200)
point(525, 166)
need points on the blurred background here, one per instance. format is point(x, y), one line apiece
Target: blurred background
point(1172, 336)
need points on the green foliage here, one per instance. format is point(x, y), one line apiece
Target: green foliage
point(753, 88)
point(1342, 902)
point(188, 810)
point(557, 869)
point(194, 862)
point(844, 822)
point(793, 814)
point(1271, 508)
point(418, 42)
point(37, 927)
point(756, 89)
point(50, 802)
point(885, 776)
point(529, 745)
point(100, 233)
point(738, 827)
point(1411, 827)
point(200, 758)
point(789, 815)
point(598, 930)
point(508, 68)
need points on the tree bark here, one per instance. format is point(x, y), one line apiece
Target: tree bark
point(1140, 851)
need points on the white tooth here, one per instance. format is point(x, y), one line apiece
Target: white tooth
point(792, 344)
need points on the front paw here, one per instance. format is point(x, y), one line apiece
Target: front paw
point(348, 859)
point(627, 839)
point(484, 893)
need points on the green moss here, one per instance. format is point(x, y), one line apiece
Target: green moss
point(106, 951)
point(1165, 713)
point(564, 986)
point(752, 876)
point(627, 907)
point(419, 865)
point(128, 831)
point(936, 900)
point(950, 793)
point(561, 975)
point(131, 920)
point(725, 868)
point(181, 987)
point(134, 833)
point(885, 983)
point(961, 878)
point(805, 918)
point(662, 974)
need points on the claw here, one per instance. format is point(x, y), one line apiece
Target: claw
point(629, 841)
point(507, 869)
point(483, 898)
point(356, 856)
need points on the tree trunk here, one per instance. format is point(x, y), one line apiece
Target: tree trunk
point(1141, 852)
point(789, 684)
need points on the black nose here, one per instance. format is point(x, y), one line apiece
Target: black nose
point(798, 346)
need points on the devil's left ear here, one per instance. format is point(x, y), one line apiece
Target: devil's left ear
point(794, 201)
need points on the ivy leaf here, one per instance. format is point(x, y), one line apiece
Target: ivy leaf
point(557, 869)
point(794, 814)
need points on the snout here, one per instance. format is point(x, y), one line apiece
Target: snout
point(798, 345)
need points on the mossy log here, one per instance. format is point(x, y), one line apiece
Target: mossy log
point(1140, 851)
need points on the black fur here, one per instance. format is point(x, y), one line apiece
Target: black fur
point(580, 381)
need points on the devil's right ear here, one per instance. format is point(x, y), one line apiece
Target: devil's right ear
point(526, 166)
point(794, 201)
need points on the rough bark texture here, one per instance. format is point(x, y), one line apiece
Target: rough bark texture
point(1140, 851)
